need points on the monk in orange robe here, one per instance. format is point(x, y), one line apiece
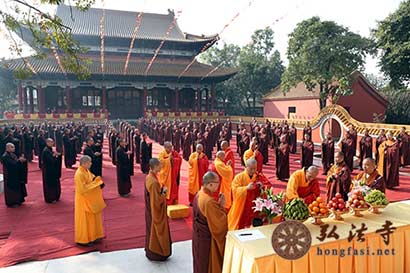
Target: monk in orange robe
point(229, 155)
point(224, 171)
point(245, 189)
point(169, 176)
point(209, 227)
point(370, 176)
point(158, 238)
point(198, 166)
point(338, 178)
point(303, 184)
point(88, 205)
point(253, 153)
point(389, 161)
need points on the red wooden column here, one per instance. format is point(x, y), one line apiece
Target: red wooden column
point(68, 97)
point(212, 97)
point(104, 98)
point(31, 100)
point(207, 100)
point(198, 97)
point(176, 106)
point(20, 95)
point(144, 101)
point(25, 100)
point(41, 100)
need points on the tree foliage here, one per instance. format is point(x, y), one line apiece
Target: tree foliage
point(393, 41)
point(324, 53)
point(259, 70)
point(8, 91)
point(47, 31)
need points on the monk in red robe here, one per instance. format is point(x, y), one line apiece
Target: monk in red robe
point(328, 152)
point(245, 189)
point(303, 184)
point(389, 161)
point(404, 139)
point(282, 159)
point(370, 176)
point(338, 178)
point(229, 156)
point(366, 147)
point(293, 137)
point(308, 149)
point(209, 227)
point(254, 153)
point(169, 176)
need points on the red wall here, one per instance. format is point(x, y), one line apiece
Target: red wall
point(362, 104)
point(305, 109)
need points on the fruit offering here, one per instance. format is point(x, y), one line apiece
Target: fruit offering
point(337, 203)
point(296, 209)
point(376, 198)
point(318, 210)
point(356, 202)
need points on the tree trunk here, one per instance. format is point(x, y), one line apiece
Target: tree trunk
point(254, 104)
point(323, 96)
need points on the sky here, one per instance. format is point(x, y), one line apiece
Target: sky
point(210, 16)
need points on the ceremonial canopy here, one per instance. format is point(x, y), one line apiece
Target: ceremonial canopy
point(168, 79)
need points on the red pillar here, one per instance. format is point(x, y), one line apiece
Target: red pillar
point(25, 100)
point(68, 98)
point(198, 97)
point(104, 98)
point(41, 102)
point(20, 96)
point(144, 101)
point(176, 106)
point(207, 100)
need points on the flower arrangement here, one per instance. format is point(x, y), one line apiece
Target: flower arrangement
point(269, 205)
point(364, 189)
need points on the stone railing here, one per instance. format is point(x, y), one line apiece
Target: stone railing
point(182, 115)
point(55, 116)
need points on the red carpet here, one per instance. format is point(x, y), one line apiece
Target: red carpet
point(41, 231)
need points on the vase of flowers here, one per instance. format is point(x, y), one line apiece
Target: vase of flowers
point(269, 205)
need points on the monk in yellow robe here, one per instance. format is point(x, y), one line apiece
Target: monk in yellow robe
point(254, 153)
point(225, 173)
point(389, 161)
point(303, 184)
point(169, 176)
point(209, 227)
point(245, 189)
point(158, 238)
point(370, 176)
point(198, 166)
point(88, 206)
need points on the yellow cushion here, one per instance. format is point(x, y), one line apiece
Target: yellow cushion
point(178, 211)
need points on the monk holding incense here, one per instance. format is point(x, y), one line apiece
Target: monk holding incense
point(245, 189)
point(303, 184)
point(158, 238)
point(338, 178)
point(209, 227)
point(88, 205)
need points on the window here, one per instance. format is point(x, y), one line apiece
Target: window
point(292, 109)
point(91, 101)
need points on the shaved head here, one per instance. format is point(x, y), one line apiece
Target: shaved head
point(224, 144)
point(220, 155)
point(311, 173)
point(210, 177)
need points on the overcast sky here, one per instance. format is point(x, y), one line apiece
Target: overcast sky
point(209, 17)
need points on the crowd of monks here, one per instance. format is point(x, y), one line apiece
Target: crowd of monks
point(221, 196)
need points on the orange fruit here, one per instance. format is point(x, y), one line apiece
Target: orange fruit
point(315, 204)
point(323, 211)
point(316, 209)
point(313, 213)
point(322, 205)
point(319, 199)
point(310, 206)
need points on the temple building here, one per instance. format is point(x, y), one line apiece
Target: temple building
point(168, 85)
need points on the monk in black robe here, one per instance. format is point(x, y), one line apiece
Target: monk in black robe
point(14, 184)
point(389, 161)
point(123, 169)
point(366, 147)
point(338, 178)
point(158, 244)
point(282, 159)
point(293, 137)
point(146, 154)
point(41, 144)
point(137, 146)
point(308, 149)
point(114, 138)
point(186, 146)
point(380, 139)
point(59, 139)
point(328, 153)
point(28, 141)
point(307, 130)
point(348, 148)
point(404, 139)
point(51, 171)
point(70, 154)
point(96, 157)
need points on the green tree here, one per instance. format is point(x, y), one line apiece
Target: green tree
point(8, 91)
point(398, 111)
point(47, 31)
point(393, 41)
point(324, 53)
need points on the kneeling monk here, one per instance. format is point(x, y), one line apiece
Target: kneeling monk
point(303, 184)
point(209, 227)
point(157, 235)
point(245, 189)
point(89, 204)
